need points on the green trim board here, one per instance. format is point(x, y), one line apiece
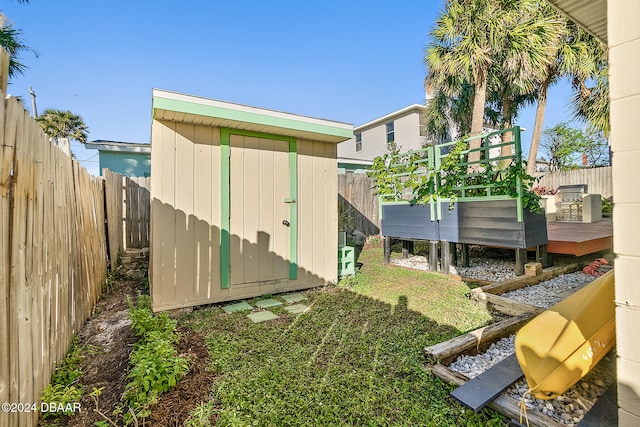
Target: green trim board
point(236, 112)
point(225, 208)
point(293, 209)
point(225, 199)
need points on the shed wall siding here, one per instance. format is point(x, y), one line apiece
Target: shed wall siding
point(186, 223)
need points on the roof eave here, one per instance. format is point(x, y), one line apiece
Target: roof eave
point(171, 106)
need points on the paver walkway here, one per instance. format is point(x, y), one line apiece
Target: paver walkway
point(265, 315)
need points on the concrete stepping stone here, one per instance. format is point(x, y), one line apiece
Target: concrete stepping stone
point(262, 316)
point(240, 306)
point(269, 302)
point(297, 308)
point(292, 298)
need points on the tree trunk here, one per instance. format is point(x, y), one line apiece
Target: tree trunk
point(507, 106)
point(537, 127)
point(477, 119)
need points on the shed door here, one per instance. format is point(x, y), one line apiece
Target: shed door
point(259, 214)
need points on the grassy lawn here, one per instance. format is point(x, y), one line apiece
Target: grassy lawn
point(354, 359)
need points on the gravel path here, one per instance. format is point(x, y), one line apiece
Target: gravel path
point(495, 270)
point(568, 409)
point(552, 291)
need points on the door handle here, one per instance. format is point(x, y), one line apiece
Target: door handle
point(285, 222)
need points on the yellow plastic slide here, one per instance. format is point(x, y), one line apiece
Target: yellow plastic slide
point(559, 347)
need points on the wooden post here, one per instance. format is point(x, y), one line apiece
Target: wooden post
point(407, 248)
point(4, 70)
point(543, 257)
point(521, 260)
point(454, 253)
point(386, 241)
point(445, 262)
point(465, 255)
point(433, 255)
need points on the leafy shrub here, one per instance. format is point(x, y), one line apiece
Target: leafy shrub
point(156, 366)
point(144, 322)
point(64, 387)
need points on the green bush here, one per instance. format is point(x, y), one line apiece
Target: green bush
point(64, 387)
point(156, 365)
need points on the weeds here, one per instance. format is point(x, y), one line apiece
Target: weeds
point(64, 387)
point(156, 366)
point(201, 415)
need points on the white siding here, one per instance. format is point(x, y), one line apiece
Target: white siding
point(624, 57)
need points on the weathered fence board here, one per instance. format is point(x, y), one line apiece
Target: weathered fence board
point(137, 205)
point(128, 204)
point(114, 200)
point(357, 193)
point(52, 256)
point(598, 180)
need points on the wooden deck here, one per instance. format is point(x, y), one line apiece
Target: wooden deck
point(577, 238)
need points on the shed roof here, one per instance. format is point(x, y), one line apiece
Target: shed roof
point(191, 109)
point(131, 147)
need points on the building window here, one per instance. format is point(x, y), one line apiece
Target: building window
point(358, 142)
point(390, 135)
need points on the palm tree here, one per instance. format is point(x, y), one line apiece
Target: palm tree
point(462, 44)
point(529, 49)
point(591, 103)
point(63, 124)
point(575, 55)
point(472, 37)
point(12, 42)
point(448, 113)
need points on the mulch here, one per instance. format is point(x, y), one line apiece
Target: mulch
point(108, 341)
point(173, 407)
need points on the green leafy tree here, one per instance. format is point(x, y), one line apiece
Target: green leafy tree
point(564, 146)
point(63, 124)
point(578, 55)
point(474, 38)
point(591, 101)
point(11, 40)
point(462, 43)
point(448, 112)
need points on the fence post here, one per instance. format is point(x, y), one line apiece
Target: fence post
point(4, 70)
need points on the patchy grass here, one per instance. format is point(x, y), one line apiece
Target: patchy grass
point(436, 296)
point(354, 359)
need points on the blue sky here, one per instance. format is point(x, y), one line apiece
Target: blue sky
point(349, 61)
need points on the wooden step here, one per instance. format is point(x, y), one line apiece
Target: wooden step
point(479, 391)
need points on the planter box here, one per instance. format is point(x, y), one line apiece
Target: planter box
point(487, 222)
point(492, 223)
point(406, 221)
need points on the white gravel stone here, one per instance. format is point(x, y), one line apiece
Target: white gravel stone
point(550, 292)
point(567, 409)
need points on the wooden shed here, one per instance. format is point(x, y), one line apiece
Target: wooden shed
point(243, 201)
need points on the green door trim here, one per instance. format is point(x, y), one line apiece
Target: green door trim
point(225, 201)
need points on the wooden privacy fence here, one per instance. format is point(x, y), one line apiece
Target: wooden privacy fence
point(357, 193)
point(137, 206)
point(598, 180)
point(52, 256)
point(128, 204)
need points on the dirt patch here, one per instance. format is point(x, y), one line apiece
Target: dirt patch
point(107, 341)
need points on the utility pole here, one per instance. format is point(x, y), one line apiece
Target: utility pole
point(33, 102)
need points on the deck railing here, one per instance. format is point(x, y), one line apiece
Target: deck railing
point(453, 172)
